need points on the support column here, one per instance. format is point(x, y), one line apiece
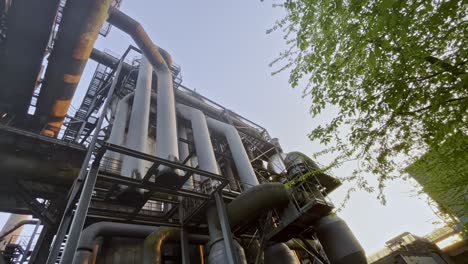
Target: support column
point(41, 250)
point(90, 180)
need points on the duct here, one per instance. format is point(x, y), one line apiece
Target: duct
point(81, 22)
point(241, 159)
point(280, 254)
point(166, 140)
point(17, 226)
point(153, 245)
point(137, 135)
point(338, 242)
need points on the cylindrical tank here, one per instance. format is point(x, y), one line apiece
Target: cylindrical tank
point(339, 243)
point(218, 253)
point(280, 254)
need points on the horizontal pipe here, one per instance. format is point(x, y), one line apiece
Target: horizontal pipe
point(88, 239)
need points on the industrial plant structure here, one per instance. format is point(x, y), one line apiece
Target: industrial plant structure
point(145, 170)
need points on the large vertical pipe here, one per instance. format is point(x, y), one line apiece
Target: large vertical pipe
point(221, 242)
point(137, 135)
point(81, 22)
point(166, 131)
point(241, 159)
point(117, 133)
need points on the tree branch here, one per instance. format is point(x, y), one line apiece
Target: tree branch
point(445, 65)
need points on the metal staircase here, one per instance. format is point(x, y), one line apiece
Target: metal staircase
point(82, 123)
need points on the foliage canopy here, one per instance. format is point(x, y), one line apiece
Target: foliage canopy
point(443, 173)
point(396, 70)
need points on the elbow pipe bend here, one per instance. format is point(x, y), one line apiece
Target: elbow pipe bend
point(239, 154)
point(159, 58)
point(155, 241)
point(89, 235)
point(256, 200)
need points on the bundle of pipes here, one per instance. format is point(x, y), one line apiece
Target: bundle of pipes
point(73, 48)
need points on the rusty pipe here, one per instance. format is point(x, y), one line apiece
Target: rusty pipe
point(81, 22)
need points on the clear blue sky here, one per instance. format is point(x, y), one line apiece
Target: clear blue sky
point(224, 53)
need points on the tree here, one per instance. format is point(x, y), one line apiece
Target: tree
point(396, 70)
point(443, 174)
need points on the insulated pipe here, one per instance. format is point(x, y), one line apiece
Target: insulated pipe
point(117, 134)
point(153, 245)
point(187, 98)
point(79, 28)
point(154, 242)
point(255, 201)
point(207, 162)
point(89, 237)
point(166, 131)
point(241, 159)
point(90, 233)
point(137, 135)
point(201, 136)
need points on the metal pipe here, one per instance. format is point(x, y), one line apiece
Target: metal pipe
point(80, 25)
point(188, 98)
point(241, 159)
point(154, 242)
point(152, 247)
point(201, 135)
point(89, 237)
point(117, 134)
point(166, 131)
point(255, 201)
point(137, 135)
point(207, 162)
point(107, 229)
